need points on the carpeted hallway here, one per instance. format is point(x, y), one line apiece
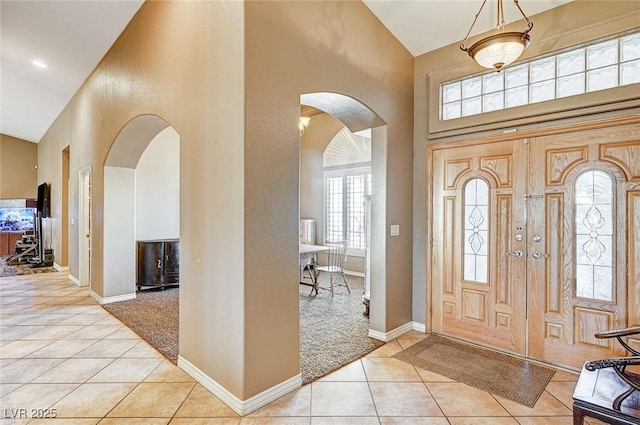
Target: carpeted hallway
point(333, 331)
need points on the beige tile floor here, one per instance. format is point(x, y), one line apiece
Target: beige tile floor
point(60, 350)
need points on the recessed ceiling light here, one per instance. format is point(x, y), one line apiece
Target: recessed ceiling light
point(38, 63)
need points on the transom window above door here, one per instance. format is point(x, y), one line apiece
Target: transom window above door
point(600, 65)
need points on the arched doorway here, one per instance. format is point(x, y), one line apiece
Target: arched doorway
point(338, 150)
point(131, 202)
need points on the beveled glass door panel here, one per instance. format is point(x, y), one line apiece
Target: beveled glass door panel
point(478, 280)
point(588, 218)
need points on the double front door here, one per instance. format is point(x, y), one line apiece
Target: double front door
point(536, 242)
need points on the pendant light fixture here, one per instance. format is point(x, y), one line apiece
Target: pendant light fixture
point(498, 50)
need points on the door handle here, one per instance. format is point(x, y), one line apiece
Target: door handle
point(159, 264)
point(537, 254)
point(517, 253)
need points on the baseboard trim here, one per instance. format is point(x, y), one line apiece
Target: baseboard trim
point(353, 273)
point(241, 407)
point(393, 334)
point(109, 300)
point(60, 268)
point(420, 327)
point(74, 279)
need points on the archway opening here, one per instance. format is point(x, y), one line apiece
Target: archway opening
point(342, 157)
point(141, 199)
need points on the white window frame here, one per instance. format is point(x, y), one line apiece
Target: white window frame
point(345, 171)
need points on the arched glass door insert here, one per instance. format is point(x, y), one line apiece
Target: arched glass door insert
point(594, 235)
point(476, 230)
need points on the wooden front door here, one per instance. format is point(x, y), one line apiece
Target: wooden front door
point(536, 242)
point(478, 265)
point(584, 242)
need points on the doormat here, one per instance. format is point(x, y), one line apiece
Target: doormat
point(500, 374)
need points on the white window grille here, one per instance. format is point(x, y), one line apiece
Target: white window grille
point(345, 190)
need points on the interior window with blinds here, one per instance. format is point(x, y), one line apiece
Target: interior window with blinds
point(344, 205)
point(347, 179)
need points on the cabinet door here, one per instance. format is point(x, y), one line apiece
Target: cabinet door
point(150, 263)
point(172, 257)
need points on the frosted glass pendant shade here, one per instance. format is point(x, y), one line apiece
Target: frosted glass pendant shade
point(499, 50)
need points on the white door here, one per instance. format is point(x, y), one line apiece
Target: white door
point(85, 226)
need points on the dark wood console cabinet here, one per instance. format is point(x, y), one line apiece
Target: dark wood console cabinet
point(158, 263)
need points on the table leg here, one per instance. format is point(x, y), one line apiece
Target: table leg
point(313, 272)
point(307, 262)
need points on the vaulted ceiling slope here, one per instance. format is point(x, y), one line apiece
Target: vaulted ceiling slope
point(71, 37)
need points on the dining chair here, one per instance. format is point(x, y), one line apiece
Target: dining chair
point(336, 256)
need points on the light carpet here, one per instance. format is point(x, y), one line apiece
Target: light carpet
point(153, 315)
point(333, 331)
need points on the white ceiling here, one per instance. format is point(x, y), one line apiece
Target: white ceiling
point(71, 37)
point(425, 25)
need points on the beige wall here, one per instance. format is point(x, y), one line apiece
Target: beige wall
point(304, 47)
point(574, 23)
point(18, 172)
point(182, 61)
point(322, 128)
point(228, 77)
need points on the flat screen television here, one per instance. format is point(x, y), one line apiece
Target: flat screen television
point(17, 219)
point(43, 200)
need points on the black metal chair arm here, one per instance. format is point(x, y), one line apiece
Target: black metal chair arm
point(618, 362)
point(619, 334)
